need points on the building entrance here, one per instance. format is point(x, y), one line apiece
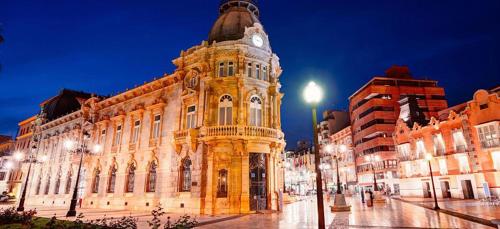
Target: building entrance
point(258, 182)
point(467, 189)
point(427, 189)
point(445, 188)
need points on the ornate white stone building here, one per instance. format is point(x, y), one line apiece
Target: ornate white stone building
point(205, 139)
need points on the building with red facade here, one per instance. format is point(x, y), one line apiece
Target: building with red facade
point(465, 147)
point(374, 110)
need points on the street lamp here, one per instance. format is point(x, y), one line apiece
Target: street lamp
point(339, 205)
point(428, 158)
point(313, 95)
point(32, 158)
point(373, 159)
point(70, 145)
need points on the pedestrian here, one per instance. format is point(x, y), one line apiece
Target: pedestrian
point(362, 196)
point(371, 197)
point(80, 202)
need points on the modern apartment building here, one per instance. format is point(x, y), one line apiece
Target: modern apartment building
point(374, 110)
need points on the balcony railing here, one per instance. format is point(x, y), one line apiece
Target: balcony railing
point(241, 131)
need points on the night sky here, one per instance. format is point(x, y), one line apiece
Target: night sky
point(107, 46)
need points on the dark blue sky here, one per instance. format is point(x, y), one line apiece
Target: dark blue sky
point(108, 46)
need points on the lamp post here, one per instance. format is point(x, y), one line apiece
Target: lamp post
point(373, 159)
point(31, 159)
point(313, 95)
point(70, 146)
point(339, 204)
point(428, 158)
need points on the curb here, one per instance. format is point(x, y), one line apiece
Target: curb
point(453, 213)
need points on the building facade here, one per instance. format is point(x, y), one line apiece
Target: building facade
point(6, 162)
point(343, 147)
point(465, 145)
point(205, 139)
point(374, 110)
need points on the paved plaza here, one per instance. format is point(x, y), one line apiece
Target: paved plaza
point(302, 214)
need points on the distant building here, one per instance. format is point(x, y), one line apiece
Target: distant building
point(300, 169)
point(464, 141)
point(342, 146)
point(6, 161)
point(374, 109)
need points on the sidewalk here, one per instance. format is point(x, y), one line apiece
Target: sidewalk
point(467, 209)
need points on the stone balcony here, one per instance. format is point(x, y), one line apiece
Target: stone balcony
point(235, 131)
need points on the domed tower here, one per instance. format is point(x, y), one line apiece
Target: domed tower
point(231, 89)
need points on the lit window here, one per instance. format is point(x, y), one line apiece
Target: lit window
point(255, 111)
point(464, 164)
point(496, 159)
point(185, 173)
point(156, 126)
point(225, 110)
point(443, 168)
point(488, 136)
point(420, 148)
point(95, 182)
point(438, 144)
point(459, 141)
point(249, 70)
point(404, 151)
point(136, 131)
point(221, 70)
point(257, 71)
point(191, 117)
point(118, 135)
point(230, 69)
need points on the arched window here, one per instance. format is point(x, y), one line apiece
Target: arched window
point(111, 179)
point(68, 182)
point(95, 181)
point(255, 111)
point(230, 69)
point(58, 182)
point(185, 175)
point(130, 178)
point(222, 183)
point(221, 70)
point(47, 186)
point(264, 73)
point(151, 178)
point(257, 71)
point(226, 110)
point(249, 69)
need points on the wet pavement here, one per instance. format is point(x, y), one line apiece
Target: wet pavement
point(470, 207)
point(393, 214)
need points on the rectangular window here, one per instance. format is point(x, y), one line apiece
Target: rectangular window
point(459, 141)
point(257, 71)
point(464, 164)
point(496, 159)
point(264, 73)
point(136, 131)
point(156, 126)
point(438, 144)
point(420, 148)
point(2, 176)
point(191, 117)
point(221, 70)
point(249, 70)
point(102, 139)
point(443, 168)
point(118, 135)
point(488, 136)
point(230, 69)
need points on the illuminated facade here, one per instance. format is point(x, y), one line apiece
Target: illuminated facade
point(464, 141)
point(205, 139)
point(342, 146)
point(374, 110)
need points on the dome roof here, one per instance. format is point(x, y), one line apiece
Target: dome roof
point(234, 16)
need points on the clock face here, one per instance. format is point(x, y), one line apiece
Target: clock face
point(257, 40)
